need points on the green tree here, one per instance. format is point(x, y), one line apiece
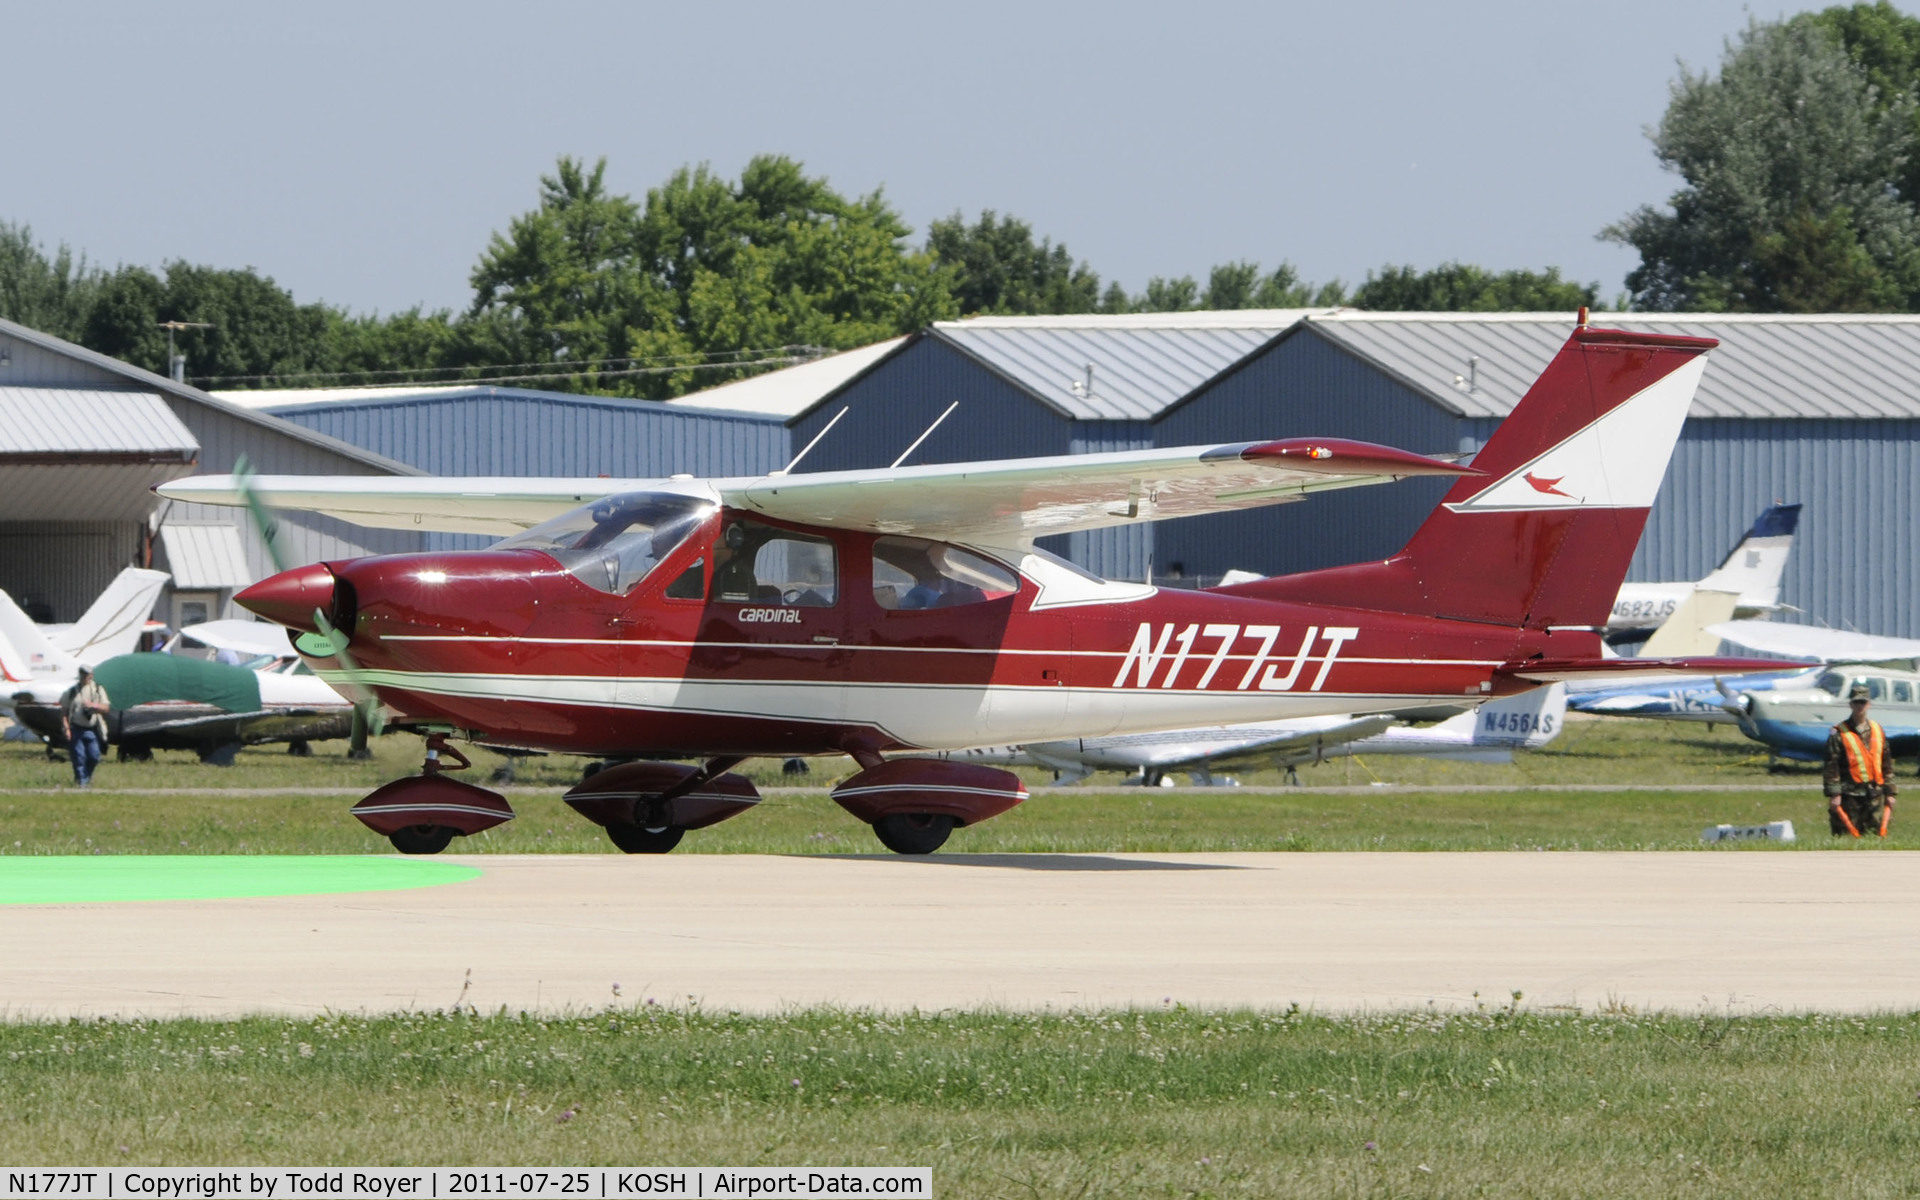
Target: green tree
point(1885, 43)
point(1241, 285)
point(49, 292)
point(566, 274)
point(716, 278)
point(1790, 140)
point(997, 268)
point(1462, 287)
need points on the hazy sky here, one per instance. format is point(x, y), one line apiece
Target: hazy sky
point(362, 154)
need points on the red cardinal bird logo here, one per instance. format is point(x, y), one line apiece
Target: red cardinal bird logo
point(1549, 486)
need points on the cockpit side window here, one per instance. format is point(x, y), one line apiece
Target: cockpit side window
point(614, 543)
point(913, 573)
point(1876, 688)
point(1902, 692)
point(1833, 683)
point(759, 564)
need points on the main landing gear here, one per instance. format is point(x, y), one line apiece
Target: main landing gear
point(423, 813)
point(913, 804)
point(647, 807)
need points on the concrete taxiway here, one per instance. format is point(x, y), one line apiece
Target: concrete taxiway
point(1754, 930)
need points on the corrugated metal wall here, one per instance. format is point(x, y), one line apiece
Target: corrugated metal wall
point(31, 366)
point(1856, 563)
point(521, 434)
point(508, 434)
point(1305, 386)
point(1122, 551)
point(894, 403)
point(64, 565)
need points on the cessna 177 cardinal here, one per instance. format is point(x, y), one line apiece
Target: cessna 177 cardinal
point(873, 612)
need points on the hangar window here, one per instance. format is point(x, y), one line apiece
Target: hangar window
point(912, 573)
point(613, 543)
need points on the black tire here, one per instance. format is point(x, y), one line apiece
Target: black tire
point(635, 840)
point(423, 839)
point(299, 748)
point(220, 755)
point(592, 769)
point(914, 833)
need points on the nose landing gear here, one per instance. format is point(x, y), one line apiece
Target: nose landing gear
point(423, 813)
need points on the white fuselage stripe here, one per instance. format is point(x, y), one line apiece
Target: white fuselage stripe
point(933, 716)
point(829, 647)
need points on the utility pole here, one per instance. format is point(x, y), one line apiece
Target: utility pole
point(177, 363)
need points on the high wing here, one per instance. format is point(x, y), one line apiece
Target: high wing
point(1002, 502)
point(1812, 642)
point(1281, 749)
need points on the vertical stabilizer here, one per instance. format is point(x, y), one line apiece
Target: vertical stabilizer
point(1685, 632)
point(28, 649)
point(1542, 536)
point(1754, 569)
point(112, 623)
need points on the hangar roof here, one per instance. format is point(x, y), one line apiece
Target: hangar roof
point(1117, 368)
point(1768, 365)
point(790, 390)
point(70, 454)
point(162, 386)
point(82, 423)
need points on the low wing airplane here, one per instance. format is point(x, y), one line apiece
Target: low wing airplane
point(1752, 571)
point(174, 702)
point(875, 612)
point(1490, 734)
point(1792, 718)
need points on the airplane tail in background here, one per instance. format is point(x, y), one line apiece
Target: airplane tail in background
point(112, 623)
point(25, 651)
point(1754, 568)
point(1540, 537)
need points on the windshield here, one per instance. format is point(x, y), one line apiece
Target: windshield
point(613, 543)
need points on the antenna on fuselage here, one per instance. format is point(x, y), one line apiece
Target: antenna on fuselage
point(810, 445)
point(923, 437)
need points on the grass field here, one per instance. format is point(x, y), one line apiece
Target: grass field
point(1167, 1103)
point(170, 805)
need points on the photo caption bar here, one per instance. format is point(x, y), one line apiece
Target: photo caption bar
point(441, 1183)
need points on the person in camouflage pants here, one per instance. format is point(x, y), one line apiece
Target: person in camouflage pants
point(1859, 774)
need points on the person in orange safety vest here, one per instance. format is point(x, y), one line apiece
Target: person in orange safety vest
point(1859, 774)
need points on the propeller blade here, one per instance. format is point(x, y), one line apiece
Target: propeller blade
point(264, 522)
point(370, 709)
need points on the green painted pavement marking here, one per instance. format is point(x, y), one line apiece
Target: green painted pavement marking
point(41, 879)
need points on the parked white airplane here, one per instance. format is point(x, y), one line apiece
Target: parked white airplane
point(110, 627)
point(1490, 734)
point(1812, 643)
point(1752, 572)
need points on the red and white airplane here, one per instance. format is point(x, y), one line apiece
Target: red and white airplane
point(873, 612)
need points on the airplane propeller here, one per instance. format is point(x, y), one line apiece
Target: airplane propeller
point(1739, 705)
point(367, 712)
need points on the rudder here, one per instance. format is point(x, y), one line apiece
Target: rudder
point(1542, 535)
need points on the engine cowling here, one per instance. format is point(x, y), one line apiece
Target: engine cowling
point(426, 800)
point(628, 794)
point(967, 792)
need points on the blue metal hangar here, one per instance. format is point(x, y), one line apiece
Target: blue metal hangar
point(1823, 410)
point(484, 430)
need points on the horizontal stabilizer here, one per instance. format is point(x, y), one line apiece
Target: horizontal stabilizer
point(1553, 670)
